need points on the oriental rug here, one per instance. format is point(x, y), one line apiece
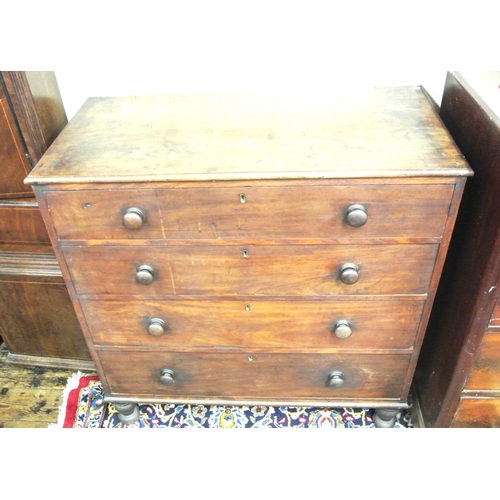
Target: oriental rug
point(84, 407)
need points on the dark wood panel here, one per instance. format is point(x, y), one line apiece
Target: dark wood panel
point(266, 270)
point(37, 318)
point(252, 376)
point(48, 104)
point(255, 323)
point(477, 413)
point(21, 222)
point(273, 212)
point(468, 289)
point(38, 107)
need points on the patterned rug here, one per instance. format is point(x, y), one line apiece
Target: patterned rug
point(83, 407)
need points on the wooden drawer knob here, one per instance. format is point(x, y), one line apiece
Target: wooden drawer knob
point(145, 275)
point(356, 215)
point(167, 376)
point(134, 218)
point(335, 379)
point(349, 273)
point(156, 327)
point(342, 329)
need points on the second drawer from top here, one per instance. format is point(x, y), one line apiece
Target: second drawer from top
point(278, 270)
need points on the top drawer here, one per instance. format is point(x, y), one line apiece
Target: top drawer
point(407, 211)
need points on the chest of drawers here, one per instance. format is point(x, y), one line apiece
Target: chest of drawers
point(253, 249)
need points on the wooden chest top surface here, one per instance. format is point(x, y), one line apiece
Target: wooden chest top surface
point(385, 132)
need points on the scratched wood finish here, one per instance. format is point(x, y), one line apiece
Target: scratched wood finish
point(224, 270)
point(253, 322)
point(252, 136)
point(249, 211)
point(254, 375)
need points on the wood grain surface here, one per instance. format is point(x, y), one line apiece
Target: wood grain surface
point(252, 136)
point(267, 269)
point(249, 375)
point(405, 211)
point(477, 413)
point(14, 165)
point(21, 222)
point(485, 372)
point(252, 322)
point(34, 331)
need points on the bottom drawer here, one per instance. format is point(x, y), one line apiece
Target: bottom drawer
point(478, 413)
point(254, 377)
point(485, 372)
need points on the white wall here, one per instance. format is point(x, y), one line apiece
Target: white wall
point(75, 86)
point(120, 48)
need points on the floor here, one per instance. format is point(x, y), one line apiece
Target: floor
point(29, 396)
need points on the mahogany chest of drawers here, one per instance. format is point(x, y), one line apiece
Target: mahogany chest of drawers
point(253, 248)
point(458, 376)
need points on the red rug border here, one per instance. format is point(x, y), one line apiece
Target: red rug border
point(73, 398)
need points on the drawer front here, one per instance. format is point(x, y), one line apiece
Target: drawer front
point(478, 413)
point(291, 270)
point(485, 373)
point(409, 211)
point(244, 376)
point(254, 323)
point(21, 222)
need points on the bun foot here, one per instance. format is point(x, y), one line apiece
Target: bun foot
point(385, 417)
point(128, 413)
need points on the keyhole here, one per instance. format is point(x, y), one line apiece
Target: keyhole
point(245, 254)
point(250, 358)
point(247, 307)
point(243, 198)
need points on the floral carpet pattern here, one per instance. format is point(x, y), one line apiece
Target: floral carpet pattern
point(84, 407)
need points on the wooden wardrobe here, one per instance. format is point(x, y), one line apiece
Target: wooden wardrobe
point(458, 375)
point(37, 321)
